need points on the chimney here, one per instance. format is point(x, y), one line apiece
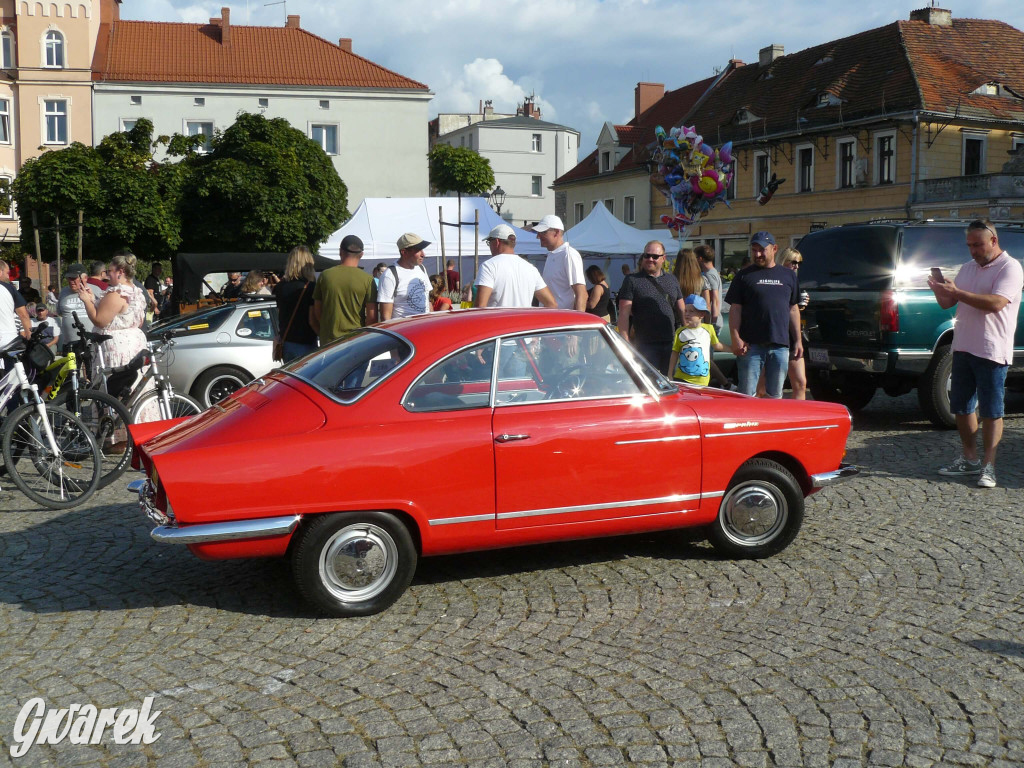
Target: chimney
point(293, 21)
point(937, 17)
point(488, 109)
point(110, 10)
point(345, 43)
point(225, 26)
point(770, 53)
point(529, 109)
point(646, 96)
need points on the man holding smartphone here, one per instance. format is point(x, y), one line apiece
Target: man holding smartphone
point(987, 295)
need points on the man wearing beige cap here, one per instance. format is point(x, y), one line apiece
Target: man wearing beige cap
point(405, 286)
point(507, 280)
point(563, 269)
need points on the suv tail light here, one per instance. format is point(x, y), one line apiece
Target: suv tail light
point(889, 315)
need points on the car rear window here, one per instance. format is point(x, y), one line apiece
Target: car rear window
point(353, 364)
point(849, 258)
point(927, 247)
point(203, 321)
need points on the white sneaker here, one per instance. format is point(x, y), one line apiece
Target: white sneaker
point(988, 477)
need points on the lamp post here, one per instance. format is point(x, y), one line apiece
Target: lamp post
point(497, 198)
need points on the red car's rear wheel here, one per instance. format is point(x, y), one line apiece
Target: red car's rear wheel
point(354, 564)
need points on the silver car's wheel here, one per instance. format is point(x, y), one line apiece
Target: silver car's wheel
point(354, 564)
point(217, 383)
point(761, 512)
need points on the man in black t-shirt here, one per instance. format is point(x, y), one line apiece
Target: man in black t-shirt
point(154, 287)
point(762, 315)
point(654, 302)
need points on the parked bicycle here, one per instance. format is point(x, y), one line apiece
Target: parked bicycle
point(106, 417)
point(49, 453)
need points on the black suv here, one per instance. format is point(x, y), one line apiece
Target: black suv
point(872, 321)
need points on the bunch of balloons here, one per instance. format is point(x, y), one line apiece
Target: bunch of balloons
point(692, 175)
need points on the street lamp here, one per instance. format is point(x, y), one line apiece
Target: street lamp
point(497, 198)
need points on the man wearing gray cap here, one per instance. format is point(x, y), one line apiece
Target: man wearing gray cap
point(345, 297)
point(405, 286)
point(763, 317)
point(69, 302)
point(563, 269)
point(507, 280)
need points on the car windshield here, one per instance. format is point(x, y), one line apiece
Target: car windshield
point(352, 364)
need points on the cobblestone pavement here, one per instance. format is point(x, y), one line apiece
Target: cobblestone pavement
point(890, 633)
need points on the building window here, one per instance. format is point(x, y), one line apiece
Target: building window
point(578, 212)
point(469, 141)
point(264, 103)
point(885, 158)
point(1018, 144)
point(325, 104)
point(199, 101)
point(6, 50)
point(610, 205)
point(762, 171)
point(805, 169)
point(593, 204)
point(973, 152)
point(127, 123)
point(629, 209)
point(56, 113)
point(535, 143)
point(846, 173)
point(135, 100)
point(730, 190)
point(6, 198)
point(535, 186)
point(201, 127)
point(54, 49)
point(5, 121)
point(326, 136)
point(606, 162)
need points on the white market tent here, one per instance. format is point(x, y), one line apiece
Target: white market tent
point(600, 232)
point(380, 221)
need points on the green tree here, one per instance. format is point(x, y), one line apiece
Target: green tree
point(460, 170)
point(264, 186)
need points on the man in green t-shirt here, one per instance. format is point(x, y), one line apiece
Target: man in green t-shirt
point(345, 297)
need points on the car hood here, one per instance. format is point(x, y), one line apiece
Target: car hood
point(268, 409)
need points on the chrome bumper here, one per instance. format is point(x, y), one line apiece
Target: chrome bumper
point(845, 472)
point(167, 530)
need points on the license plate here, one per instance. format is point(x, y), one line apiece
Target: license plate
point(818, 355)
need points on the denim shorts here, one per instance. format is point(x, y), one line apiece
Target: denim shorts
point(977, 383)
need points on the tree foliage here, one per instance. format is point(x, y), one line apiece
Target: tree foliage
point(263, 187)
point(461, 170)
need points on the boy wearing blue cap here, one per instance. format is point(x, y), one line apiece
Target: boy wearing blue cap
point(691, 351)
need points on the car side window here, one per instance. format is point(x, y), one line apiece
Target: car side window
point(561, 365)
point(256, 323)
point(455, 383)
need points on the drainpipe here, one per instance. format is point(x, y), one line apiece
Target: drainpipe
point(916, 120)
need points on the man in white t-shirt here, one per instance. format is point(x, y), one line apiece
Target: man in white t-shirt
point(563, 270)
point(405, 287)
point(507, 280)
point(12, 305)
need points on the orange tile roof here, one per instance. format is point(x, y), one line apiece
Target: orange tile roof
point(165, 52)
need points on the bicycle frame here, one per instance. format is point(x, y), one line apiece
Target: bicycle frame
point(17, 380)
point(150, 372)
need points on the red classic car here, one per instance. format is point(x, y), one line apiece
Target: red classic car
point(472, 430)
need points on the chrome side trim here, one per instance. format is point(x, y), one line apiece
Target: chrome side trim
point(595, 507)
point(845, 472)
point(770, 431)
point(463, 519)
point(230, 531)
point(670, 439)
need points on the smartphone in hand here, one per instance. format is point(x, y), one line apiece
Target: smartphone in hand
point(937, 275)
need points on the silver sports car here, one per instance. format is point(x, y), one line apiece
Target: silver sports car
point(221, 348)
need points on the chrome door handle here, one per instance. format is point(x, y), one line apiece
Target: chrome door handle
point(507, 438)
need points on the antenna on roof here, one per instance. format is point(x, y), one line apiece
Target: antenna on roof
point(285, 4)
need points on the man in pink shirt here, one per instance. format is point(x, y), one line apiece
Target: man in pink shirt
point(987, 295)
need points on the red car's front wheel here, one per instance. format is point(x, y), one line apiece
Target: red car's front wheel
point(354, 564)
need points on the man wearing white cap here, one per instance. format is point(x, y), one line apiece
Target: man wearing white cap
point(563, 270)
point(405, 286)
point(507, 280)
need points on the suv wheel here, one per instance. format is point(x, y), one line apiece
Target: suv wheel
point(933, 389)
point(848, 389)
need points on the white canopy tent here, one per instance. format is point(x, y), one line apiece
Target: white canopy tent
point(380, 221)
point(601, 232)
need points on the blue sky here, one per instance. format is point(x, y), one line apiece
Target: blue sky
point(581, 58)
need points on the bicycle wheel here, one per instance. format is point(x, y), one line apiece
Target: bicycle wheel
point(181, 405)
point(57, 481)
point(108, 420)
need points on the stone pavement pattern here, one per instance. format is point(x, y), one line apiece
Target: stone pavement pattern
point(890, 633)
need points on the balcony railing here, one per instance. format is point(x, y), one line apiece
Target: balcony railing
point(982, 187)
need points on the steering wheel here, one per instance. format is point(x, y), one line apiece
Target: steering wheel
point(568, 384)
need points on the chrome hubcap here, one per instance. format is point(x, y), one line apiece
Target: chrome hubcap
point(358, 562)
point(753, 514)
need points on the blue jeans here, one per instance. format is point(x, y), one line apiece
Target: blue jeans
point(977, 383)
point(774, 361)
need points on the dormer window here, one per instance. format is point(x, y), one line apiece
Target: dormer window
point(988, 89)
point(744, 116)
point(826, 59)
point(54, 47)
point(826, 99)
